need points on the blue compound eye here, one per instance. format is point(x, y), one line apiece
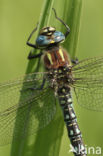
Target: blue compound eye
point(58, 33)
point(58, 36)
point(40, 40)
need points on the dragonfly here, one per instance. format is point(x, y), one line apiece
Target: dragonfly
point(32, 98)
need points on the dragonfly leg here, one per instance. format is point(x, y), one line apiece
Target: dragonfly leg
point(75, 61)
point(28, 43)
point(41, 87)
point(33, 88)
point(67, 27)
point(31, 56)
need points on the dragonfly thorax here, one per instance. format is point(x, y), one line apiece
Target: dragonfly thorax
point(60, 77)
point(55, 58)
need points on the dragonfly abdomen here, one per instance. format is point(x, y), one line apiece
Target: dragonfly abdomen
point(74, 133)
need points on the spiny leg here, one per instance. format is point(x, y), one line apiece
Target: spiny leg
point(31, 56)
point(41, 86)
point(28, 43)
point(67, 27)
point(75, 61)
point(35, 88)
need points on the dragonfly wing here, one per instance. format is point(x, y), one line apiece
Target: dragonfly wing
point(88, 83)
point(24, 110)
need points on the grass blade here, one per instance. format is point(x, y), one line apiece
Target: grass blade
point(69, 11)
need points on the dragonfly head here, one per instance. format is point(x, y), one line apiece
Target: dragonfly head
point(49, 36)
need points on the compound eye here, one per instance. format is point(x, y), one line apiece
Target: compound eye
point(40, 39)
point(58, 36)
point(58, 33)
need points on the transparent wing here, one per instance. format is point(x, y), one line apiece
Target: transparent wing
point(24, 110)
point(88, 85)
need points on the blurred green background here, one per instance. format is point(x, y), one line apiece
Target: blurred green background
point(17, 19)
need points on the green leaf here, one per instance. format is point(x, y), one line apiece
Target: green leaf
point(47, 142)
